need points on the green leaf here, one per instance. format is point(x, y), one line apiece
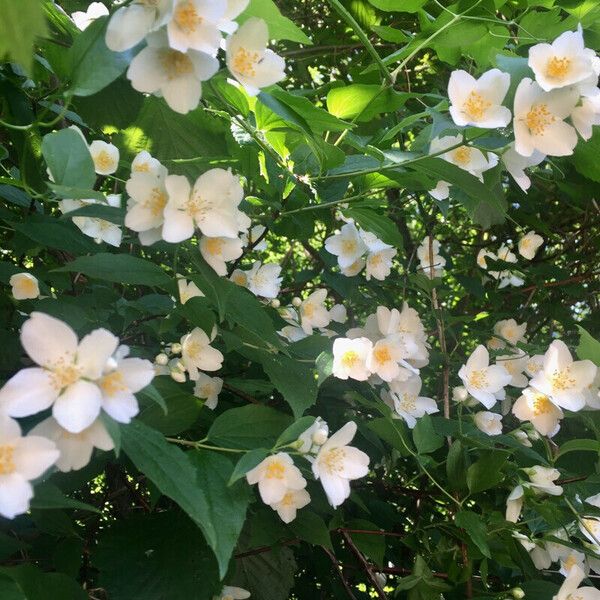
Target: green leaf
point(371, 545)
point(585, 157)
point(49, 496)
point(119, 268)
point(473, 524)
point(114, 430)
point(248, 427)
point(98, 211)
point(486, 472)
point(22, 23)
point(456, 466)
point(154, 557)
point(364, 101)
point(247, 463)
point(68, 159)
point(171, 471)
point(409, 6)
point(292, 433)
point(37, 585)
point(589, 347)
point(311, 528)
point(382, 226)
point(227, 503)
point(280, 27)
point(94, 66)
point(425, 437)
point(580, 445)
point(73, 193)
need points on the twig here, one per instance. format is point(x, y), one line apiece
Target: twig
point(339, 570)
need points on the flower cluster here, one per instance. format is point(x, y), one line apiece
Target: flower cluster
point(183, 38)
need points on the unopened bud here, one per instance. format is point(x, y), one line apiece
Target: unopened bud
point(161, 359)
point(178, 376)
point(319, 437)
point(296, 301)
point(517, 593)
point(275, 303)
point(459, 394)
point(176, 348)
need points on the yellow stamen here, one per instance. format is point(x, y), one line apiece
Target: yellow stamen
point(103, 160)
point(213, 245)
point(348, 246)
point(349, 359)
point(156, 201)
point(186, 17)
point(382, 355)
point(288, 499)
point(244, 62)
point(333, 460)
point(538, 119)
point(176, 63)
point(558, 67)
point(64, 375)
point(541, 405)
point(275, 470)
point(478, 379)
point(462, 155)
point(141, 168)
point(475, 106)
point(7, 463)
point(113, 383)
point(562, 380)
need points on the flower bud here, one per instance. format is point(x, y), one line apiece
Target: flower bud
point(176, 348)
point(178, 376)
point(275, 303)
point(459, 394)
point(296, 301)
point(320, 436)
point(161, 359)
point(517, 593)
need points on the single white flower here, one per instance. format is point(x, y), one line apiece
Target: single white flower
point(75, 448)
point(337, 464)
point(159, 69)
point(542, 480)
point(355, 268)
point(441, 191)
point(216, 251)
point(24, 286)
point(562, 379)
point(478, 102)
point(239, 277)
point(585, 115)
point(386, 354)
point(249, 60)
point(264, 280)
point(100, 230)
point(460, 394)
point(130, 24)
point(276, 475)
point(563, 62)
point(338, 313)
point(347, 245)
point(507, 330)
point(516, 164)
point(515, 365)
point(208, 388)
point(379, 264)
point(373, 243)
point(197, 353)
point(539, 120)
point(230, 592)
point(147, 200)
point(314, 436)
point(67, 376)
point(406, 401)
point(529, 244)
point(144, 162)
point(570, 589)
point(288, 506)
point(211, 205)
point(514, 504)
point(488, 422)
point(94, 11)
point(484, 382)
point(537, 408)
point(105, 157)
point(194, 25)
point(481, 257)
point(350, 358)
point(313, 312)
point(188, 290)
point(251, 237)
point(22, 459)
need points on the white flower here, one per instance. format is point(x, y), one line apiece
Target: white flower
point(24, 286)
point(516, 164)
point(488, 422)
point(563, 380)
point(208, 388)
point(542, 480)
point(570, 559)
point(234, 9)
point(432, 263)
point(460, 394)
point(132, 23)
point(509, 331)
point(250, 238)
point(514, 365)
point(313, 312)
point(373, 243)
point(66, 378)
point(249, 60)
point(441, 191)
point(484, 382)
point(188, 290)
point(105, 157)
point(355, 268)
point(537, 408)
point(211, 205)
point(144, 162)
point(147, 200)
point(506, 277)
point(590, 527)
point(239, 277)
point(407, 403)
point(22, 459)
point(564, 62)
point(195, 25)
point(534, 365)
point(529, 244)
point(338, 313)
point(264, 280)
point(482, 255)
point(570, 589)
point(478, 102)
point(288, 506)
point(276, 475)
point(350, 358)
point(75, 448)
point(95, 10)
point(232, 593)
point(386, 353)
point(347, 245)
point(539, 120)
point(379, 264)
point(314, 436)
point(337, 464)
point(514, 504)
point(585, 115)
point(522, 437)
point(216, 251)
point(158, 69)
point(197, 353)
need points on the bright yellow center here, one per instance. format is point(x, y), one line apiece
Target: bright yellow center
point(558, 67)
point(186, 17)
point(375, 260)
point(113, 383)
point(244, 62)
point(275, 470)
point(103, 160)
point(349, 359)
point(534, 367)
point(26, 285)
point(462, 155)
point(288, 499)
point(541, 405)
point(562, 380)
point(239, 278)
point(7, 463)
point(382, 355)
point(64, 375)
point(478, 379)
point(176, 63)
point(475, 106)
point(214, 245)
point(156, 201)
point(333, 460)
point(538, 119)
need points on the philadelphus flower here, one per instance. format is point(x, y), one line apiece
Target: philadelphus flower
point(188, 290)
point(516, 164)
point(313, 312)
point(249, 60)
point(432, 264)
point(288, 506)
point(232, 593)
point(100, 230)
point(337, 464)
point(590, 527)
point(195, 25)
point(386, 354)
point(105, 157)
point(94, 11)
point(488, 422)
point(537, 408)
point(404, 399)
point(585, 115)
point(347, 245)
point(276, 475)
point(514, 504)
point(478, 102)
point(508, 330)
point(75, 448)
point(350, 358)
point(563, 62)
point(539, 119)
point(313, 437)
point(542, 480)
point(253, 235)
point(22, 459)
point(159, 69)
point(515, 365)
point(132, 23)
point(529, 244)
point(144, 162)
point(570, 589)
point(208, 388)
point(484, 382)
point(211, 205)
point(355, 268)
point(338, 313)
point(264, 280)
point(197, 353)
point(216, 251)
point(24, 286)
point(563, 380)
point(379, 264)
point(506, 277)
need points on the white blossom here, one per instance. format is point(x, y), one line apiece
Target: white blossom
point(291, 502)
point(542, 480)
point(516, 164)
point(188, 290)
point(488, 422)
point(350, 358)
point(194, 25)
point(570, 589)
point(379, 264)
point(24, 286)
point(217, 251)
point(197, 353)
point(313, 312)
point(94, 11)
point(538, 409)
point(347, 245)
point(208, 388)
point(529, 244)
point(404, 398)
point(507, 330)
point(105, 157)
point(276, 475)
point(264, 280)
point(230, 592)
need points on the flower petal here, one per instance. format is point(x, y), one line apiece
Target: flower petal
point(79, 405)
point(28, 392)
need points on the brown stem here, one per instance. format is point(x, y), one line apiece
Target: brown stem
point(340, 571)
